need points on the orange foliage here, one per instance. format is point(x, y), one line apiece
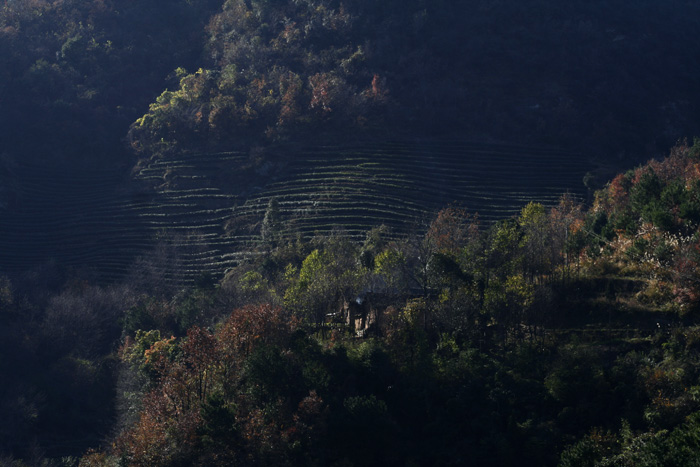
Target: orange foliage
point(451, 228)
point(201, 354)
point(322, 91)
point(618, 190)
point(306, 419)
point(148, 442)
point(251, 325)
point(93, 458)
point(170, 417)
point(157, 356)
point(290, 88)
point(378, 88)
point(568, 212)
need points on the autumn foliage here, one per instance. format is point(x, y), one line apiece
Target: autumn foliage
point(188, 374)
point(648, 220)
point(560, 326)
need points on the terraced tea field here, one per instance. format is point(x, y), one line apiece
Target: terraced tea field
point(403, 184)
point(208, 206)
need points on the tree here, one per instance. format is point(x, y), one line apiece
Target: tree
point(645, 192)
point(449, 231)
point(390, 266)
point(327, 278)
point(272, 223)
point(567, 236)
point(504, 249)
point(446, 235)
point(201, 357)
point(537, 259)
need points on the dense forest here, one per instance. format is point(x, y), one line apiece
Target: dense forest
point(606, 78)
point(563, 336)
point(567, 334)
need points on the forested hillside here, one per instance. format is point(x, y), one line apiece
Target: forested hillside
point(92, 89)
point(606, 77)
point(226, 234)
point(564, 336)
point(593, 76)
point(75, 74)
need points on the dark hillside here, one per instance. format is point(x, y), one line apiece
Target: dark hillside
point(74, 74)
point(84, 220)
point(616, 82)
point(211, 207)
point(600, 78)
point(559, 336)
point(245, 232)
